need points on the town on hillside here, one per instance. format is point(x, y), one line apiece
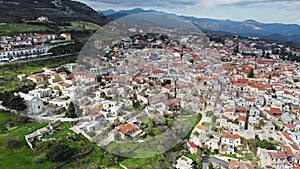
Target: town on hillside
point(30, 45)
point(238, 97)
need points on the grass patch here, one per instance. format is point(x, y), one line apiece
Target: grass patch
point(213, 124)
point(8, 73)
point(79, 26)
point(14, 28)
point(195, 122)
point(146, 163)
point(20, 156)
point(3, 117)
point(229, 155)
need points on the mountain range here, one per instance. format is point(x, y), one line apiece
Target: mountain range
point(16, 11)
point(247, 28)
point(59, 11)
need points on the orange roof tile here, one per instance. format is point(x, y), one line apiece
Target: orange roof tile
point(97, 114)
point(126, 128)
point(277, 155)
point(112, 77)
point(200, 127)
point(65, 84)
point(240, 164)
point(294, 146)
point(275, 111)
point(288, 151)
point(286, 135)
point(241, 118)
point(167, 87)
point(228, 135)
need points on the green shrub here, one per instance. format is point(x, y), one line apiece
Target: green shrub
point(59, 152)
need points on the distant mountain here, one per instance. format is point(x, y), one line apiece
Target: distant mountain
point(275, 31)
point(122, 13)
point(14, 11)
point(107, 12)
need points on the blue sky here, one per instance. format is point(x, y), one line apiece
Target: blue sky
point(267, 11)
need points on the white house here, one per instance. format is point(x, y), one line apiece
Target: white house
point(229, 143)
point(34, 105)
point(273, 158)
point(192, 147)
point(41, 93)
point(184, 163)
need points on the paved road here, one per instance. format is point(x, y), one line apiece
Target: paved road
point(207, 159)
point(37, 59)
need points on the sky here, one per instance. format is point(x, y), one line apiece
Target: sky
point(266, 11)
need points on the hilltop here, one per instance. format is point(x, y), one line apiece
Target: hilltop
point(58, 11)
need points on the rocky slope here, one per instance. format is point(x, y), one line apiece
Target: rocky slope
point(16, 11)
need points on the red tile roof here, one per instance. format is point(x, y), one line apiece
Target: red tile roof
point(235, 136)
point(277, 155)
point(201, 99)
point(294, 146)
point(191, 144)
point(65, 84)
point(288, 151)
point(96, 115)
point(240, 164)
point(167, 87)
point(111, 77)
point(126, 128)
point(200, 127)
point(171, 102)
point(241, 118)
point(156, 71)
point(286, 135)
point(275, 111)
point(90, 76)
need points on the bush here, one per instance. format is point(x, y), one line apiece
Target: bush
point(12, 143)
point(38, 160)
point(59, 152)
point(3, 129)
point(265, 145)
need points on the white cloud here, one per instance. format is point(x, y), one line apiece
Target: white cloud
point(289, 4)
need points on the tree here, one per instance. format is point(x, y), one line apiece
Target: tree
point(263, 53)
point(210, 166)
point(268, 55)
point(236, 49)
point(265, 144)
point(16, 103)
point(236, 121)
point(71, 111)
point(251, 74)
point(99, 78)
point(261, 122)
point(103, 95)
point(59, 152)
